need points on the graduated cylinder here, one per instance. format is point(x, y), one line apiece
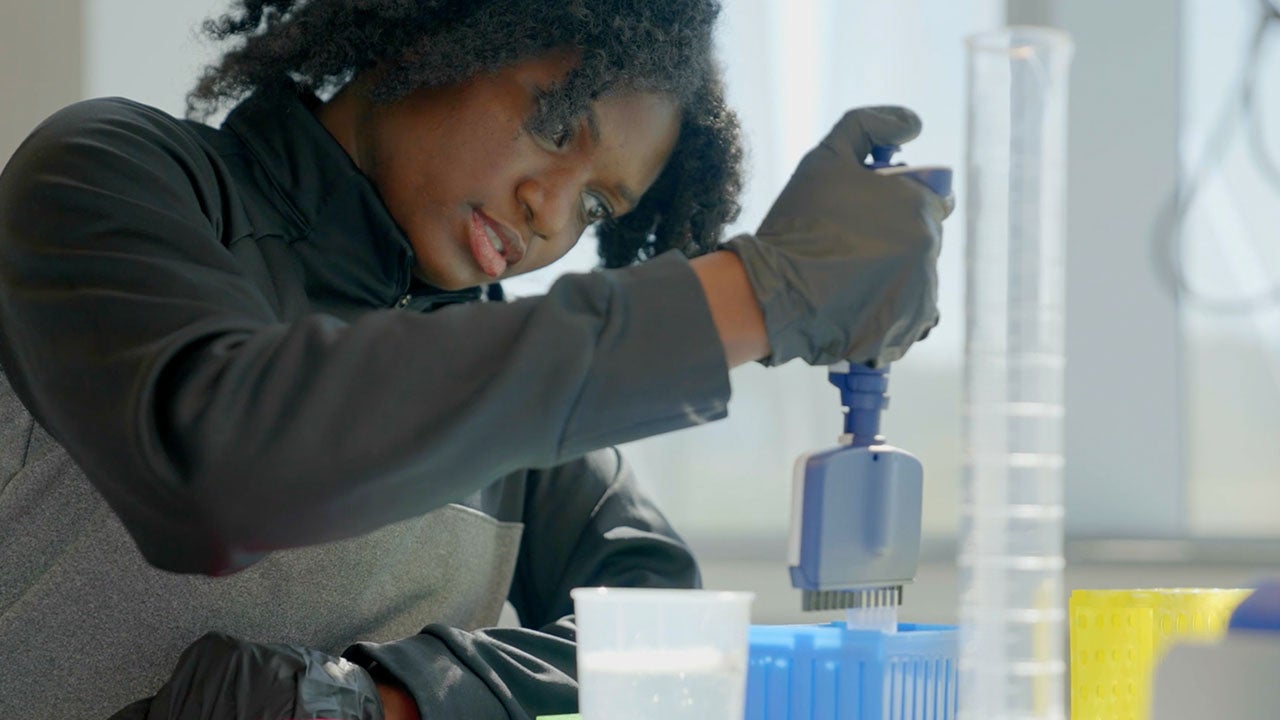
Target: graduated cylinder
point(1012, 658)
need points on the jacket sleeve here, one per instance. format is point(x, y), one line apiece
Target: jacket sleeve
point(218, 431)
point(586, 524)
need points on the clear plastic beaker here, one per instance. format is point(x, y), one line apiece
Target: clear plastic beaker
point(649, 654)
point(1012, 659)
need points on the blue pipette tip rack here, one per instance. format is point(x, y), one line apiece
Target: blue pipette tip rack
point(828, 672)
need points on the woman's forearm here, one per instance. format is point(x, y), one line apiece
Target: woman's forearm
point(734, 309)
point(396, 703)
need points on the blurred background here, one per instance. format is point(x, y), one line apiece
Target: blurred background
point(1173, 334)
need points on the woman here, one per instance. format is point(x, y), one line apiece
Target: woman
point(267, 351)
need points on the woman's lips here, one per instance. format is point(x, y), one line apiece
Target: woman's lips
point(491, 262)
point(494, 246)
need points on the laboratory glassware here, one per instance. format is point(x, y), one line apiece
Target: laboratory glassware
point(1012, 628)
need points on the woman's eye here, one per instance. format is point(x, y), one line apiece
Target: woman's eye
point(547, 122)
point(561, 136)
point(594, 208)
point(552, 137)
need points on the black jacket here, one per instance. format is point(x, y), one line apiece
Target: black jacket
point(216, 327)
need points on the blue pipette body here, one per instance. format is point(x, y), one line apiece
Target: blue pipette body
point(855, 531)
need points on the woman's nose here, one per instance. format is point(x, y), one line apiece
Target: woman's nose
point(551, 202)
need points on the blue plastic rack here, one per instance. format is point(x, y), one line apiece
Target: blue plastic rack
point(828, 672)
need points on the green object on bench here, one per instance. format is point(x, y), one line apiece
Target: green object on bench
point(560, 717)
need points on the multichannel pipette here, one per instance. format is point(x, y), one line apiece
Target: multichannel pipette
point(855, 528)
point(855, 522)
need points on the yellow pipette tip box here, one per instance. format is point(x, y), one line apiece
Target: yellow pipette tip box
point(1118, 636)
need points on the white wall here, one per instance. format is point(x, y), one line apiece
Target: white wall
point(792, 69)
point(1124, 434)
point(40, 65)
point(147, 50)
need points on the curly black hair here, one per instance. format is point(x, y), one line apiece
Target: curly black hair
point(624, 45)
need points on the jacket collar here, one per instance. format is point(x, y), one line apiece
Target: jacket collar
point(354, 252)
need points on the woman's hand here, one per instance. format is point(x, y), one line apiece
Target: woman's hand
point(220, 677)
point(844, 266)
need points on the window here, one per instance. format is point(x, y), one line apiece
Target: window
point(792, 70)
point(1231, 258)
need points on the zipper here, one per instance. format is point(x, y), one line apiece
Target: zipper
point(431, 301)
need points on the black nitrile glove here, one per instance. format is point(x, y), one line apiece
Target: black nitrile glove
point(223, 678)
point(845, 263)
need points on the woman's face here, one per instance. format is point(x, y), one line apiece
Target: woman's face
point(479, 195)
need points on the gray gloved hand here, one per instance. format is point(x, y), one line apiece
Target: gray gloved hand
point(220, 677)
point(844, 266)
